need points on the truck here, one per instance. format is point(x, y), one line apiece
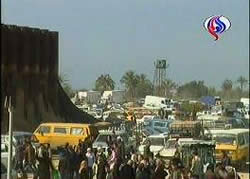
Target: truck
point(114, 96)
point(245, 101)
point(156, 102)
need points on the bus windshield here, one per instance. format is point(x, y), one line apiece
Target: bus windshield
point(225, 139)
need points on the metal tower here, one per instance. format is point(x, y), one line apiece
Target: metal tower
point(159, 76)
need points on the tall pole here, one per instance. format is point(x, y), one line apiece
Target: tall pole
point(10, 110)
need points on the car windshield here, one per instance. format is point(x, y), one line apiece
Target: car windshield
point(102, 138)
point(156, 141)
point(171, 144)
point(225, 139)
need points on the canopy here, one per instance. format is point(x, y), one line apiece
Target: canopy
point(208, 100)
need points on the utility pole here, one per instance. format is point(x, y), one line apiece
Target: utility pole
point(10, 110)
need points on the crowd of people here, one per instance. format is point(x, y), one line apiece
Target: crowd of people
point(83, 162)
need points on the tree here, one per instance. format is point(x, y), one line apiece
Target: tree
point(168, 85)
point(242, 82)
point(212, 91)
point(144, 86)
point(227, 85)
point(191, 108)
point(193, 89)
point(104, 83)
point(130, 80)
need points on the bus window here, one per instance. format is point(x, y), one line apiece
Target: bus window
point(76, 131)
point(60, 130)
point(44, 129)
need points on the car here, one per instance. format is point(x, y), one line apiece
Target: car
point(105, 135)
point(157, 126)
point(4, 164)
point(157, 142)
point(18, 136)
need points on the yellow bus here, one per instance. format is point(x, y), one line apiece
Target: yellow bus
point(235, 142)
point(58, 134)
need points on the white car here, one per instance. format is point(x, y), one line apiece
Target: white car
point(157, 143)
point(4, 164)
point(103, 137)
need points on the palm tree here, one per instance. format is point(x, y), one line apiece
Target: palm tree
point(242, 82)
point(168, 85)
point(227, 85)
point(104, 82)
point(144, 86)
point(130, 80)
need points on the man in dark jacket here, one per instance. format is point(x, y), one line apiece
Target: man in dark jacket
point(225, 160)
point(101, 164)
point(159, 173)
point(30, 157)
point(62, 167)
point(72, 163)
point(19, 157)
point(44, 166)
point(126, 171)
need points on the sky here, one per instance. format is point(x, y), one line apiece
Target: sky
point(113, 36)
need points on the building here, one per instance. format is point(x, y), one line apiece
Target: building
point(114, 96)
point(91, 97)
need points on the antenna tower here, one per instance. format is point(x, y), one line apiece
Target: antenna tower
point(161, 66)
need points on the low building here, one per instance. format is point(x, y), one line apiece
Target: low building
point(114, 96)
point(91, 97)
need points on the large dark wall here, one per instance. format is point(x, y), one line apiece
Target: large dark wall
point(29, 74)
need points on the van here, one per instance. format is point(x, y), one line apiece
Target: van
point(58, 134)
point(155, 102)
point(235, 142)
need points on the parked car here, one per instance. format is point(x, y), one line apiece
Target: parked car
point(157, 142)
point(104, 136)
point(4, 164)
point(18, 136)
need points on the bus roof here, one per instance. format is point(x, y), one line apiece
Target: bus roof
point(229, 131)
point(64, 124)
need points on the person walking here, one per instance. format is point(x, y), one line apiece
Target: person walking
point(45, 166)
point(30, 157)
point(226, 161)
point(196, 167)
point(134, 160)
point(159, 172)
point(72, 162)
point(83, 171)
point(91, 160)
point(101, 165)
point(49, 152)
point(174, 171)
point(78, 160)
point(62, 167)
point(19, 157)
point(127, 171)
point(147, 171)
point(139, 171)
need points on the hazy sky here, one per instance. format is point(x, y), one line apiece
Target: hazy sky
point(114, 36)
